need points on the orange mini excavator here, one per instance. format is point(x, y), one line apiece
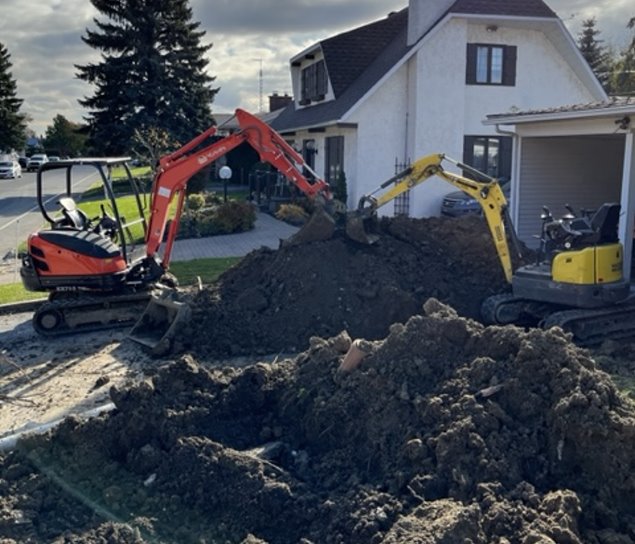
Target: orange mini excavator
point(95, 275)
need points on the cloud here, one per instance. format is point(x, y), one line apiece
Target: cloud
point(289, 16)
point(611, 18)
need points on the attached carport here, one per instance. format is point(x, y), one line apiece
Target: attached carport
point(582, 155)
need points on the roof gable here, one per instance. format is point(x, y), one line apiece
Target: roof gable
point(357, 60)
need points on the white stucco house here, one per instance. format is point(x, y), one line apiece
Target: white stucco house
point(423, 80)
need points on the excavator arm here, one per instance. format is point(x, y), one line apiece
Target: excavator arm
point(175, 170)
point(488, 194)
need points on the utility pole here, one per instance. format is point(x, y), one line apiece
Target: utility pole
point(259, 86)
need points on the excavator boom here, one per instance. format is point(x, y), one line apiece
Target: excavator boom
point(176, 169)
point(488, 194)
point(161, 316)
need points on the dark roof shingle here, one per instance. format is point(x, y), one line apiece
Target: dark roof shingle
point(347, 55)
point(518, 8)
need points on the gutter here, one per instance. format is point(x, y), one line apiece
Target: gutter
point(606, 111)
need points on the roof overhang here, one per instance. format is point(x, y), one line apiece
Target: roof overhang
point(308, 53)
point(318, 127)
point(573, 113)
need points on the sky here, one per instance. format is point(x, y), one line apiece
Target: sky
point(253, 41)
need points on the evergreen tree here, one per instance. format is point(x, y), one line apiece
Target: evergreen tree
point(595, 53)
point(623, 80)
point(12, 122)
point(151, 76)
point(64, 137)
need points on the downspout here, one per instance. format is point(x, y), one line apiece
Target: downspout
point(514, 188)
point(405, 140)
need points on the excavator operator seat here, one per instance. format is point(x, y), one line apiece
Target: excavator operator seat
point(605, 222)
point(73, 216)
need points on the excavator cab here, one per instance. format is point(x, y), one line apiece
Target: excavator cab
point(86, 248)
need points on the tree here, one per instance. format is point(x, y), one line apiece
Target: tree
point(595, 53)
point(152, 73)
point(151, 144)
point(623, 79)
point(64, 137)
point(12, 122)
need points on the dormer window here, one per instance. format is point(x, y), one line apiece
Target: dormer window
point(491, 64)
point(314, 83)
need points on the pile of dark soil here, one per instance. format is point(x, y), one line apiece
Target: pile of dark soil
point(274, 301)
point(447, 432)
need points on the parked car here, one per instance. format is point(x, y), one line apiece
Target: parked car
point(54, 158)
point(36, 161)
point(459, 203)
point(10, 169)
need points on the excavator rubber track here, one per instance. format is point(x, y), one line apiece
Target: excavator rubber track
point(78, 312)
point(588, 326)
point(592, 327)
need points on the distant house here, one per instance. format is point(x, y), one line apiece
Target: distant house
point(423, 80)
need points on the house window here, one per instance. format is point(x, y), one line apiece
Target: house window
point(491, 64)
point(308, 152)
point(314, 83)
point(334, 158)
point(489, 154)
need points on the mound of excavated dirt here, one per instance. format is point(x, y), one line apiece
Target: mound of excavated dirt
point(274, 301)
point(447, 432)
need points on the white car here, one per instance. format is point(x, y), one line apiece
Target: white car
point(35, 161)
point(10, 169)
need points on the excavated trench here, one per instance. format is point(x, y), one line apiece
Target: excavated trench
point(447, 432)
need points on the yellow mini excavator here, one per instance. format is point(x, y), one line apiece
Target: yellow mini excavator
point(576, 281)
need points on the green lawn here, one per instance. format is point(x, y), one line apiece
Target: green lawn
point(127, 206)
point(207, 269)
point(187, 273)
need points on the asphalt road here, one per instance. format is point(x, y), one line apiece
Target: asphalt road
point(19, 211)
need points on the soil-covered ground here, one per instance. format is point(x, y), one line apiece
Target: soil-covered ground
point(447, 432)
point(274, 301)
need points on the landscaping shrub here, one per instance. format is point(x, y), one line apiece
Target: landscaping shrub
point(292, 213)
point(212, 198)
point(224, 218)
point(234, 216)
point(195, 201)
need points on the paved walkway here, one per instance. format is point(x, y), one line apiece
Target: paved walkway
point(267, 232)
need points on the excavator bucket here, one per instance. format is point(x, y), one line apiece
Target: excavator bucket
point(356, 229)
point(158, 324)
point(320, 226)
